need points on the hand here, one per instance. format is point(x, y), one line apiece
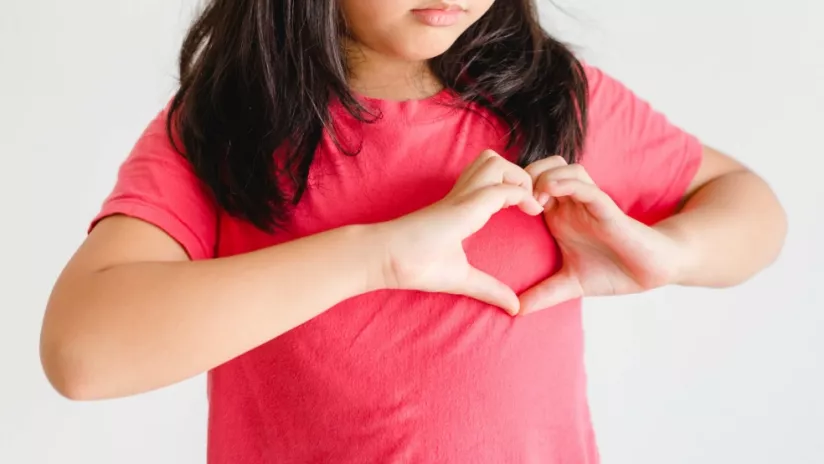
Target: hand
point(425, 250)
point(604, 252)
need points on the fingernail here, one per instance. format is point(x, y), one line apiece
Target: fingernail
point(524, 309)
point(543, 199)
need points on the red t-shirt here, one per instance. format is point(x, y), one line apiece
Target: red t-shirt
point(410, 377)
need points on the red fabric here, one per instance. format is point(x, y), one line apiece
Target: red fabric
point(408, 377)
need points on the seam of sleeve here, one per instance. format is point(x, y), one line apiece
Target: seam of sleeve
point(689, 164)
point(161, 218)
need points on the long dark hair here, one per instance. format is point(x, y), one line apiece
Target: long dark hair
point(257, 76)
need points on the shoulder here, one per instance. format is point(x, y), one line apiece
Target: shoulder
point(633, 151)
point(156, 184)
point(611, 105)
point(623, 125)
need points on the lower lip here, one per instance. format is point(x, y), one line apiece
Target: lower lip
point(439, 18)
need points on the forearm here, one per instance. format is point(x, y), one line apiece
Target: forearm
point(137, 327)
point(730, 229)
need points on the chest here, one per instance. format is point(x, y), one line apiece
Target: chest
point(372, 173)
point(369, 355)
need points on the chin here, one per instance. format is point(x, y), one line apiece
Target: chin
point(422, 51)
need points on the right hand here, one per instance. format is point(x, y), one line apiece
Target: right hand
point(425, 250)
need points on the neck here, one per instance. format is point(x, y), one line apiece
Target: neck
point(378, 76)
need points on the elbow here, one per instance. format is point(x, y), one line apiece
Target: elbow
point(778, 233)
point(770, 240)
point(76, 342)
point(68, 386)
point(784, 226)
point(67, 364)
point(68, 374)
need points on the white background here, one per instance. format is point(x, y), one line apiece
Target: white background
point(676, 376)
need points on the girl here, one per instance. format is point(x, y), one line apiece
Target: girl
point(321, 220)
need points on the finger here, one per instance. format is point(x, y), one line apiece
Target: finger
point(473, 167)
point(475, 209)
point(483, 287)
point(563, 172)
point(570, 171)
point(490, 200)
point(598, 203)
point(497, 170)
point(555, 290)
point(539, 167)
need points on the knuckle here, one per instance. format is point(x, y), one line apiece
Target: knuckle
point(578, 169)
point(500, 165)
point(557, 160)
point(546, 165)
point(487, 166)
point(489, 154)
point(496, 161)
point(542, 182)
point(582, 174)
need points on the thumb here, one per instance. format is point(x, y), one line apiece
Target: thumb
point(557, 289)
point(483, 287)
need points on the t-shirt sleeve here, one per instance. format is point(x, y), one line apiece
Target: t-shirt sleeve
point(634, 153)
point(157, 185)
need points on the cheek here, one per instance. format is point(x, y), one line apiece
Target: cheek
point(383, 28)
point(368, 17)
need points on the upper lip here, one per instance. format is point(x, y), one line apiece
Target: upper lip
point(443, 6)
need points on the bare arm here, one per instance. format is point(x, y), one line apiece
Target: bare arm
point(131, 313)
point(731, 224)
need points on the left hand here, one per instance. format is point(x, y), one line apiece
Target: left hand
point(603, 251)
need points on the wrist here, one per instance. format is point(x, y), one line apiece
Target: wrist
point(370, 245)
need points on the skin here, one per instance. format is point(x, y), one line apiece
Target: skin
point(606, 252)
point(130, 297)
point(388, 55)
point(131, 313)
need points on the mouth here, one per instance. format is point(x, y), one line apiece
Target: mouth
point(442, 7)
point(440, 14)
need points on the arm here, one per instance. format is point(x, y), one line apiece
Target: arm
point(630, 227)
point(131, 313)
point(731, 225)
